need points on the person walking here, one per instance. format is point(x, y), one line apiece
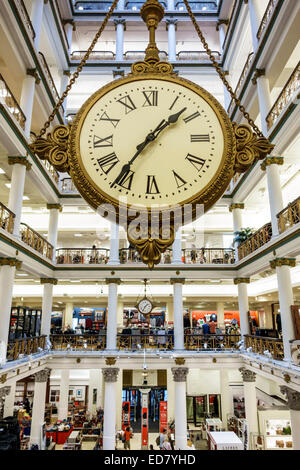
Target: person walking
point(166, 444)
point(127, 437)
point(162, 436)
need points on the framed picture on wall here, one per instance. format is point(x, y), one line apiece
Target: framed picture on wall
point(79, 393)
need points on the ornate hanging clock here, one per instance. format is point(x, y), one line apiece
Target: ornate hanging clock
point(145, 305)
point(150, 142)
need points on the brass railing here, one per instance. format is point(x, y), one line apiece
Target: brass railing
point(289, 216)
point(51, 170)
point(25, 17)
point(231, 21)
point(91, 342)
point(36, 241)
point(285, 97)
point(13, 106)
point(208, 256)
point(260, 344)
point(128, 255)
point(159, 339)
point(242, 79)
point(256, 241)
point(67, 186)
point(266, 18)
point(25, 347)
point(82, 256)
point(48, 76)
point(197, 341)
point(7, 218)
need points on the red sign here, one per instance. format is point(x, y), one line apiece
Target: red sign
point(163, 416)
point(125, 414)
point(144, 420)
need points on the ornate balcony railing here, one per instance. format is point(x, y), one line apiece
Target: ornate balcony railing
point(289, 216)
point(10, 101)
point(23, 347)
point(256, 241)
point(36, 241)
point(198, 6)
point(199, 342)
point(266, 18)
point(231, 21)
point(260, 345)
point(140, 55)
point(25, 17)
point(48, 76)
point(208, 256)
point(82, 256)
point(75, 342)
point(67, 186)
point(241, 81)
point(128, 255)
point(285, 97)
point(196, 55)
point(51, 170)
point(148, 339)
point(95, 55)
point(7, 218)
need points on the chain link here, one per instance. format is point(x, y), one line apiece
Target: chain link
point(221, 73)
point(79, 69)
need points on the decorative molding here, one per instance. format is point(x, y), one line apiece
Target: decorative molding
point(49, 280)
point(271, 161)
point(287, 378)
point(20, 161)
point(42, 375)
point(278, 262)
point(236, 205)
point(3, 378)
point(293, 397)
point(113, 281)
point(110, 374)
point(241, 280)
point(180, 373)
point(248, 375)
point(177, 280)
point(4, 391)
point(54, 206)
point(34, 73)
point(12, 262)
point(171, 21)
point(118, 73)
point(258, 73)
point(179, 361)
point(67, 73)
point(120, 21)
point(71, 22)
point(110, 361)
point(220, 22)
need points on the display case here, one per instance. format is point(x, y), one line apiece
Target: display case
point(24, 322)
point(275, 428)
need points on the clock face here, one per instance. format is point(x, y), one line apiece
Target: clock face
point(145, 306)
point(178, 164)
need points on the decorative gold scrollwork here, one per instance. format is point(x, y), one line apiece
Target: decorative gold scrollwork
point(160, 67)
point(250, 147)
point(54, 148)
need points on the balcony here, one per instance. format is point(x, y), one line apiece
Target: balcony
point(208, 256)
point(11, 104)
point(67, 185)
point(7, 219)
point(266, 18)
point(260, 345)
point(289, 217)
point(82, 256)
point(132, 56)
point(201, 56)
point(288, 97)
point(24, 347)
point(256, 241)
point(22, 11)
point(241, 81)
point(36, 241)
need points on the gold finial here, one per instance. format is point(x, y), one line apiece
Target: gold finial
point(152, 13)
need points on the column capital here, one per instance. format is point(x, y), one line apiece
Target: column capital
point(110, 374)
point(20, 161)
point(71, 22)
point(220, 22)
point(13, 262)
point(177, 280)
point(34, 73)
point(241, 280)
point(171, 21)
point(293, 397)
point(120, 21)
point(180, 373)
point(67, 73)
point(271, 161)
point(4, 391)
point(54, 206)
point(118, 73)
point(48, 280)
point(247, 375)
point(112, 280)
point(278, 262)
point(42, 375)
point(257, 74)
point(236, 205)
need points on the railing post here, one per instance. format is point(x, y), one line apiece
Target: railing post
point(171, 28)
point(47, 305)
point(111, 332)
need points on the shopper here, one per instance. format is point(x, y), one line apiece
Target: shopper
point(166, 444)
point(127, 437)
point(212, 326)
point(162, 436)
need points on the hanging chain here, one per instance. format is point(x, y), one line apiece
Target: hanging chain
point(221, 73)
point(79, 69)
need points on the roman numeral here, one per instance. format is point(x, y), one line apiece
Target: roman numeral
point(200, 138)
point(191, 117)
point(179, 181)
point(197, 162)
point(126, 180)
point(106, 142)
point(151, 98)
point(105, 117)
point(108, 162)
point(152, 187)
point(128, 103)
point(173, 103)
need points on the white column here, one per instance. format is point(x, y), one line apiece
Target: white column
point(36, 18)
point(178, 313)
point(112, 305)
point(54, 209)
point(121, 5)
point(271, 165)
point(64, 81)
point(220, 315)
point(63, 394)
point(7, 276)
point(243, 304)
point(249, 378)
point(145, 404)
point(171, 5)
point(264, 98)
point(179, 376)
point(236, 209)
point(119, 388)
point(286, 300)
point(10, 401)
point(120, 26)
point(69, 28)
point(222, 28)
point(114, 244)
point(225, 396)
point(38, 409)
point(171, 395)
point(110, 376)
point(170, 310)
point(176, 249)
point(68, 315)
point(254, 20)
point(171, 27)
point(16, 193)
point(293, 398)
point(47, 304)
point(27, 99)
point(120, 310)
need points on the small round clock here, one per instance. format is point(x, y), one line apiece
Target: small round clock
point(145, 306)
